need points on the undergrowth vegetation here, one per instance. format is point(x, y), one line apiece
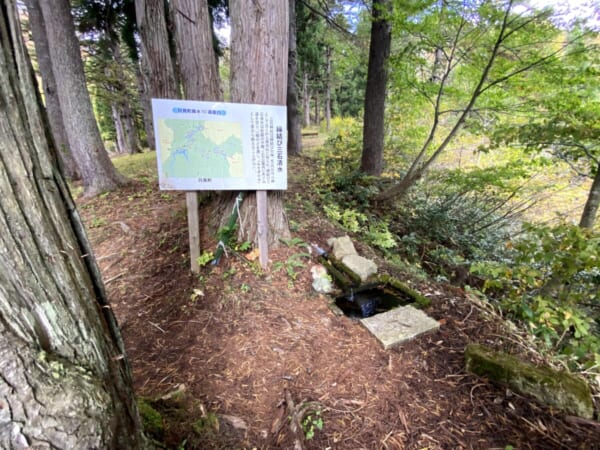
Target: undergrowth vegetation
point(466, 226)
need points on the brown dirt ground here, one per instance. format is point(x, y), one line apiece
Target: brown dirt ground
point(249, 341)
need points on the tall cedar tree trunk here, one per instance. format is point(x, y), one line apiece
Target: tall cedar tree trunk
point(328, 90)
point(156, 62)
point(588, 217)
point(123, 118)
point(379, 52)
point(195, 53)
point(97, 171)
point(317, 109)
point(64, 380)
point(294, 145)
point(118, 124)
point(199, 74)
point(146, 106)
point(57, 127)
point(259, 52)
point(306, 99)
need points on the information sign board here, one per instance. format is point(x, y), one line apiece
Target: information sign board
point(220, 146)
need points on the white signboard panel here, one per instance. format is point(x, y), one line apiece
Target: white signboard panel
point(220, 146)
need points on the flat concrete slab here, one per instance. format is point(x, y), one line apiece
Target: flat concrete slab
point(399, 325)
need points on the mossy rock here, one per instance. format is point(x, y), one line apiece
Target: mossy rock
point(561, 390)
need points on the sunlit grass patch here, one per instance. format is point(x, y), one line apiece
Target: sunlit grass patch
point(137, 166)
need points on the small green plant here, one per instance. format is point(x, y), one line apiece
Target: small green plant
point(245, 288)
point(207, 424)
point(205, 258)
point(229, 273)
point(97, 222)
point(291, 264)
point(310, 423)
point(380, 236)
point(294, 242)
point(243, 246)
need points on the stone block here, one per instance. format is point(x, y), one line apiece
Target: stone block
point(360, 265)
point(341, 247)
point(399, 325)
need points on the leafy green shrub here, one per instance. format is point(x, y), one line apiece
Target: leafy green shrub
point(456, 217)
point(551, 284)
point(340, 156)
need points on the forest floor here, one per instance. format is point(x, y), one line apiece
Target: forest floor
point(247, 350)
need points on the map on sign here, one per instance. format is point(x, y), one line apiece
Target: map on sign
point(220, 146)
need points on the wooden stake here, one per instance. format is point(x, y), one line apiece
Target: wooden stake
point(191, 199)
point(263, 228)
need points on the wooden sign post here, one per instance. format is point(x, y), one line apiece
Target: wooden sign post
point(191, 200)
point(263, 228)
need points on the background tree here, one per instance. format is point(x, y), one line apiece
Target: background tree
point(196, 56)
point(57, 127)
point(97, 171)
point(259, 51)
point(311, 57)
point(101, 25)
point(64, 378)
point(198, 67)
point(375, 94)
point(157, 61)
point(563, 117)
point(294, 144)
point(482, 59)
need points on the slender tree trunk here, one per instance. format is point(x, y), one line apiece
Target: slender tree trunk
point(306, 99)
point(97, 171)
point(57, 127)
point(259, 75)
point(379, 52)
point(328, 91)
point(588, 217)
point(64, 379)
point(317, 109)
point(294, 146)
point(129, 129)
point(116, 115)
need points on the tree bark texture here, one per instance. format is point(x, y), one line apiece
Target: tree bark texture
point(590, 210)
point(157, 63)
point(195, 53)
point(306, 99)
point(317, 108)
point(259, 51)
point(379, 52)
point(64, 379)
point(294, 146)
point(123, 117)
point(146, 106)
point(259, 61)
point(328, 90)
point(97, 171)
point(57, 127)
